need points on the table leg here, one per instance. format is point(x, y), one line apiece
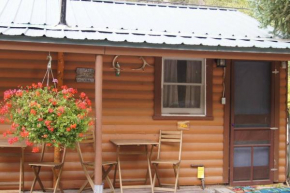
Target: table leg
point(119, 168)
point(21, 175)
point(147, 173)
point(149, 168)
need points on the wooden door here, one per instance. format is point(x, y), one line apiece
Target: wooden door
point(252, 122)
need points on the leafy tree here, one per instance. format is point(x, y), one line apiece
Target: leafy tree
point(275, 13)
point(243, 5)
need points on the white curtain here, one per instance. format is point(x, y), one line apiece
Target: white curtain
point(192, 93)
point(170, 92)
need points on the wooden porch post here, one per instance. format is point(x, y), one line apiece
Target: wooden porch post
point(98, 113)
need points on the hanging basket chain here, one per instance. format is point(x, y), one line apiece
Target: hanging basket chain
point(49, 71)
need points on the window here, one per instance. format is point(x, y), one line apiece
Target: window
point(183, 88)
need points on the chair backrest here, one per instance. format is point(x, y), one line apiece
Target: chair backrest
point(43, 148)
point(89, 138)
point(172, 138)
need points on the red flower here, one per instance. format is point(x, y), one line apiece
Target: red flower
point(91, 122)
point(34, 85)
point(9, 105)
point(50, 110)
point(88, 101)
point(51, 129)
point(81, 135)
point(2, 119)
point(14, 126)
point(73, 126)
point(28, 143)
point(33, 112)
point(68, 129)
point(64, 91)
point(35, 149)
point(48, 144)
point(40, 119)
point(19, 93)
point(12, 140)
point(82, 105)
point(61, 109)
point(47, 122)
point(39, 85)
point(24, 134)
point(64, 87)
point(83, 95)
point(37, 93)
point(44, 136)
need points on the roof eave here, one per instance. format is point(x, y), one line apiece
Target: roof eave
point(106, 43)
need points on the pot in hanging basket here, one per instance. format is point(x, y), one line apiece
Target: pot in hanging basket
point(40, 114)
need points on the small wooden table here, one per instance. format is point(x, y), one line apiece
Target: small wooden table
point(4, 144)
point(134, 142)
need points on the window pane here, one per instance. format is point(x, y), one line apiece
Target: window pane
point(181, 96)
point(182, 71)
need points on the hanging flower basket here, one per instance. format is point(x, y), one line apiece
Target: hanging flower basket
point(40, 114)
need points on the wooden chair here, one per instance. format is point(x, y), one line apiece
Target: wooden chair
point(168, 138)
point(90, 139)
point(56, 170)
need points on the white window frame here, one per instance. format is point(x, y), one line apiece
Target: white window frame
point(198, 112)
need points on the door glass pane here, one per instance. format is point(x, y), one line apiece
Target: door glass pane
point(242, 163)
point(261, 163)
point(252, 86)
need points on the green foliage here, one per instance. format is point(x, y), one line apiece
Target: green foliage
point(242, 5)
point(275, 13)
point(45, 115)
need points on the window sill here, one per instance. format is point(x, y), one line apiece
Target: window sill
point(160, 117)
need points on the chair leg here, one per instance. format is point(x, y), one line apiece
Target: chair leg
point(176, 178)
point(115, 174)
point(174, 168)
point(155, 175)
point(58, 180)
point(89, 178)
point(36, 178)
point(85, 184)
point(106, 177)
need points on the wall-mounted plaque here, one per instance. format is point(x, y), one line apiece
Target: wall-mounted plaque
point(183, 125)
point(85, 75)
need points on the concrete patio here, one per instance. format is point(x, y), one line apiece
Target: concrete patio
point(183, 189)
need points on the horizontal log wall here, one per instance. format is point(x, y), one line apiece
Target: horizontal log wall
point(127, 110)
point(282, 126)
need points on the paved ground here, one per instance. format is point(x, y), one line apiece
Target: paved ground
point(183, 189)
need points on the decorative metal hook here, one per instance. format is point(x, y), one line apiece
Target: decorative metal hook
point(116, 66)
point(49, 61)
point(143, 66)
point(48, 72)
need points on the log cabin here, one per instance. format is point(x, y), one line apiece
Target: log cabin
point(158, 64)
